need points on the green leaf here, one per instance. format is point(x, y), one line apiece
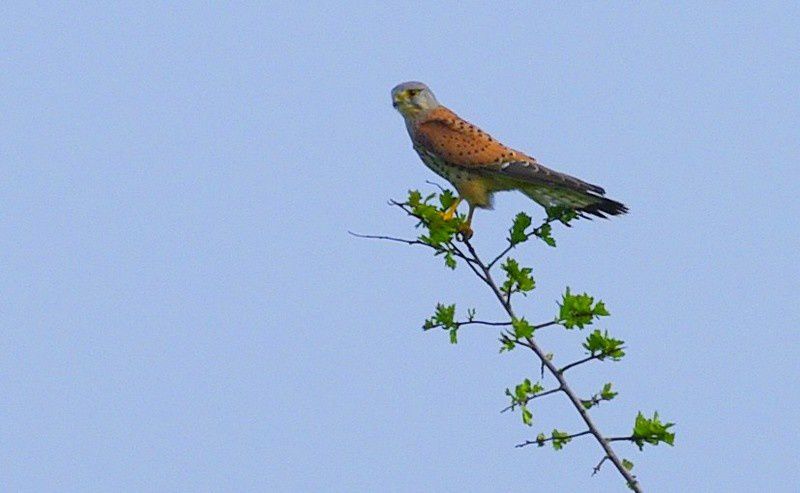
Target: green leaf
point(628, 465)
point(454, 335)
point(523, 393)
point(560, 438)
point(579, 310)
point(540, 439)
point(522, 329)
point(449, 260)
point(414, 198)
point(543, 232)
point(527, 416)
point(607, 394)
point(507, 345)
point(517, 279)
point(440, 232)
point(601, 344)
point(517, 233)
point(652, 431)
point(443, 317)
point(600, 310)
point(446, 199)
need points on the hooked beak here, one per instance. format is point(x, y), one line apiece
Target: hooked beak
point(399, 98)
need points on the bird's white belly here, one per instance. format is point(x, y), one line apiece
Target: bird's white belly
point(453, 174)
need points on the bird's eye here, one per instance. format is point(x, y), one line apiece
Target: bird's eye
point(413, 92)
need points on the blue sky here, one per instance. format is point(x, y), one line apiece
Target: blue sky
point(182, 308)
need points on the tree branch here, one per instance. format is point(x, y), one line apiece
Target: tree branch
point(473, 322)
point(483, 271)
point(535, 396)
point(550, 439)
point(576, 402)
point(392, 238)
point(596, 468)
point(579, 362)
point(591, 357)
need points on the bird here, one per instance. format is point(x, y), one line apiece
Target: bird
point(478, 165)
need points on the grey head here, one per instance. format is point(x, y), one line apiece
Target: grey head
point(413, 99)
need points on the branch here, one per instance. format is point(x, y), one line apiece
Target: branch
point(596, 468)
point(453, 248)
point(593, 356)
point(391, 238)
point(576, 402)
point(620, 439)
point(550, 439)
point(511, 245)
point(579, 362)
point(536, 396)
point(441, 188)
point(473, 322)
point(500, 256)
point(483, 271)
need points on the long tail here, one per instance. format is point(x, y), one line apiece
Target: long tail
point(584, 202)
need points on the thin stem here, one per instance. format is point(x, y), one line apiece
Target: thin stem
point(501, 255)
point(579, 362)
point(473, 322)
point(535, 396)
point(391, 238)
point(511, 246)
point(591, 357)
point(620, 439)
point(482, 271)
point(441, 188)
point(596, 468)
point(550, 439)
point(546, 324)
point(576, 402)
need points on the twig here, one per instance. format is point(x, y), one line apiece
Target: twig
point(550, 439)
point(483, 272)
point(439, 250)
point(511, 246)
point(473, 322)
point(546, 324)
point(620, 439)
point(501, 255)
point(441, 188)
point(591, 357)
point(391, 238)
point(535, 396)
point(579, 362)
point(576, 402)
point(599, 465)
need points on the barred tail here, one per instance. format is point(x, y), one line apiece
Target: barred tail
point(584, 202)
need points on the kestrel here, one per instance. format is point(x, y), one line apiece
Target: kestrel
point(477, 165)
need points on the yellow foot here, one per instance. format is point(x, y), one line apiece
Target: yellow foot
point(466, 231)
point(451, 211)
point(448, 214)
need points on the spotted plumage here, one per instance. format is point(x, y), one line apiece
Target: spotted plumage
point(477, 165)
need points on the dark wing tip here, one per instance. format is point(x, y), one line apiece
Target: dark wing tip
point(605, 206)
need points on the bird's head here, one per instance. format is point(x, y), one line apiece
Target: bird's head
point(412, 99)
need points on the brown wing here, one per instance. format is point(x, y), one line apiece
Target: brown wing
point(461, 143)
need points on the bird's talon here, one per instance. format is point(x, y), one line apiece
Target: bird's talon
point(466, 231)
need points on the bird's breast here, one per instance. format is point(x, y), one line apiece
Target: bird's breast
point(471, 185)
point(451, 173)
